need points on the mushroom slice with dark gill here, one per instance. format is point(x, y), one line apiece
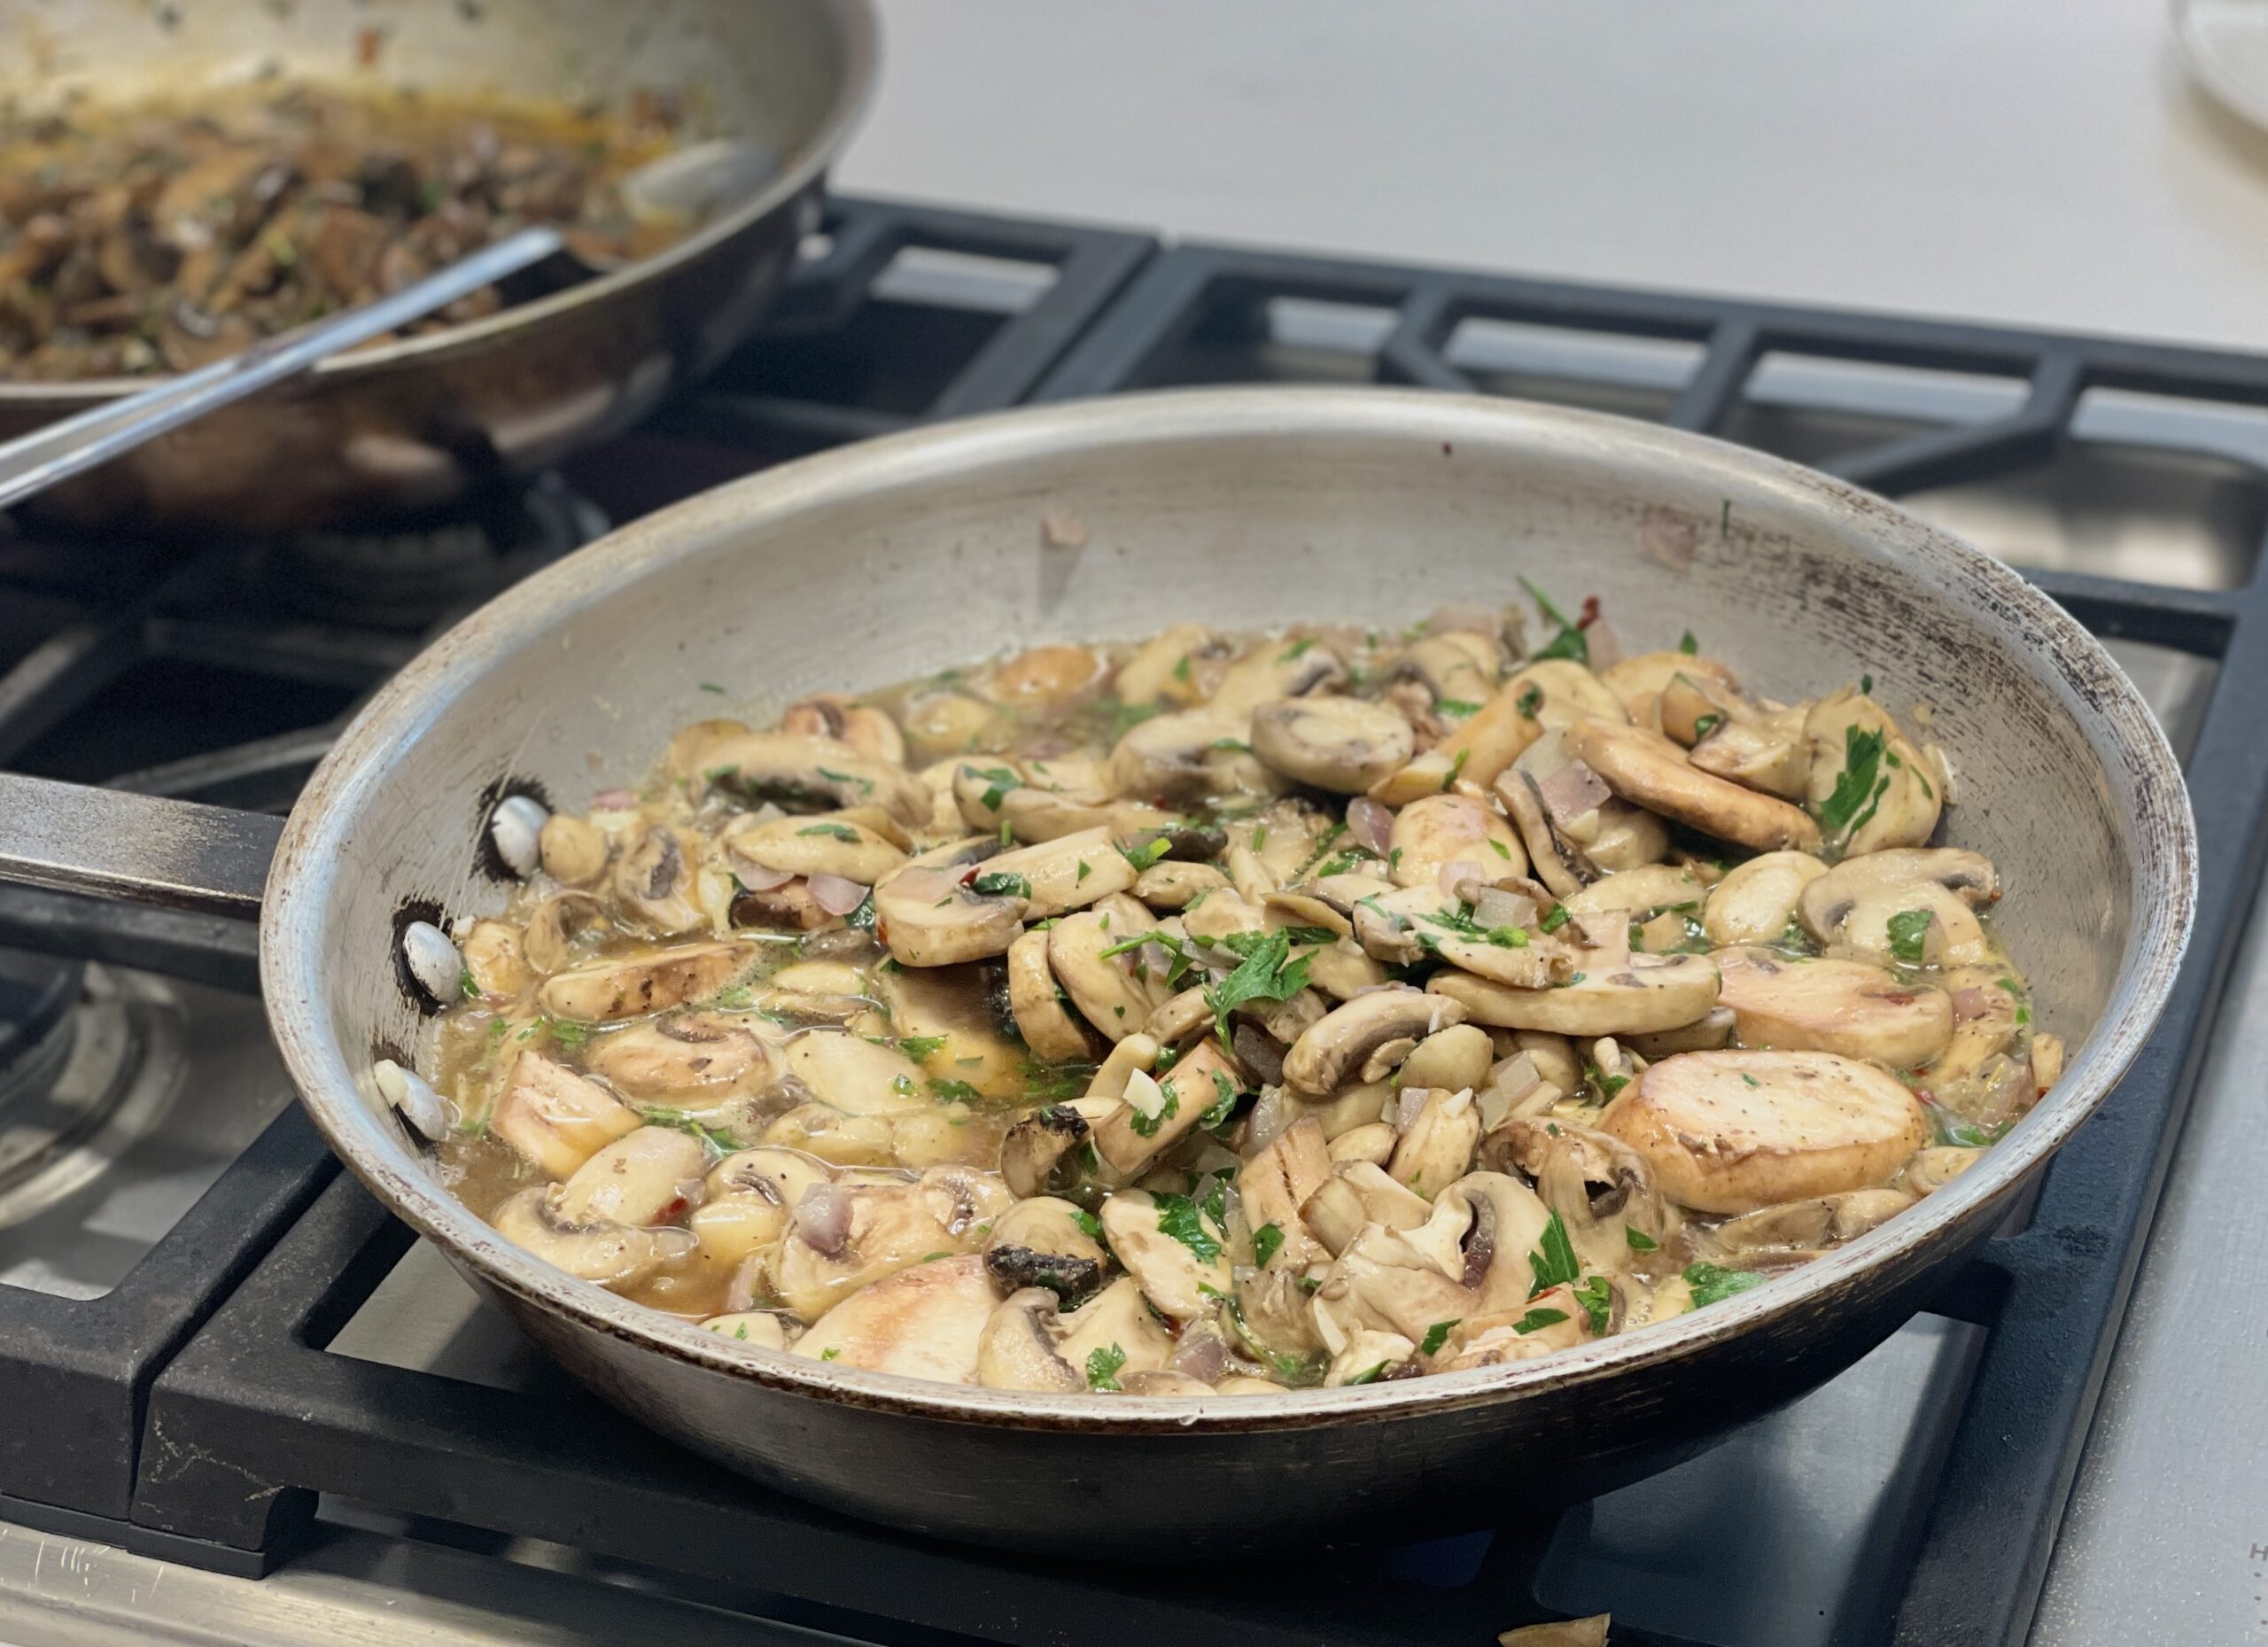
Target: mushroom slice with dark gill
point(1914, 905)
point(1341, 744)
point(1041, 1242)
point(932, 917)
point(557, 1119)
point(605, 990)
point(605, 1253)
point(817, 774)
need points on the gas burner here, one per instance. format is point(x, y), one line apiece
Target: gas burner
point(411, 576)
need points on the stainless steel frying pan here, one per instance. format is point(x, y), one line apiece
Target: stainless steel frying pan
point(1238, 507)
point(410, 425)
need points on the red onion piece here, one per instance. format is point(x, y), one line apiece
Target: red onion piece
point(613, 801)
point(1572, 791)
point(1970, 1004)
point(1203, 1354)
point(1604, 646)
point(757, 878)
point(835, 895)
point(1369, 823)
point(823, 1220)
point(1459, 871)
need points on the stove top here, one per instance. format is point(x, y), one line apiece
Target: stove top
point(245, 1368)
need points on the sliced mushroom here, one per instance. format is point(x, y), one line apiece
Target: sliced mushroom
point(1435, 830)
point(1195, 754)
point(841, 1237)
point(652, 1175)
point(1643, 994)
point(610, 1254)
point(495, 958)
point(1855, 903)
point(1367, 1355)
point(839, 717)
point(1156, 1114)
point(1706, 1034)
point(574, 853)
point(1042, 1242)
point(833, 1137)
point(654, 882)
point(1459, 1056)
point(835, 844)
point(1590, 1632)
point(1773, 756)
point(683, 1059)
point(1336, 1047)
point(1931, 1170)
point(1275, 1183)
point(1845, 1006)
point(1371, 1142)
point(556, 1118)
point(822, 774)
point(1103, 986)
point(925, 1322)
point(762, 1329)
point(1180, 1282)
point(1017, 1350)
point(931, 918)
point(1639, 682)
point(555, 925)
point(852, 1075)
point(1164, 669)
point(1809, 1224)
point(1068, 873)
point(1176, 885)
point(1043, 1013)
point(1731, 1131)
point(1507, 1221)
point(1036, 1154)
point(1115, 1328)
point(1649, 771)
point(1867, 781)
point(1341, 744)
point(1758, 900)
point(1601, 1187)
point(748, 1198)
point(1438, 1144)
point(1283, 668)
point(605, 991)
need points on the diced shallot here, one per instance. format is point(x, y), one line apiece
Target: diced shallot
point(1369, 823)
point(1496, 907)
point(1572, 791)
point(1456, 873)
point(835, 895)
point(823, 1220)
point(757, 878)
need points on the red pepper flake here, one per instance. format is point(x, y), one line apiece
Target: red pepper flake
point(1589, 615)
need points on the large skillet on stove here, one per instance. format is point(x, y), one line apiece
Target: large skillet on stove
point(1243, 508)
point(409, 425)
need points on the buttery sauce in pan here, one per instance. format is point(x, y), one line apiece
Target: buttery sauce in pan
point(1225, 1012)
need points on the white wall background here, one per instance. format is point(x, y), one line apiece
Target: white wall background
point(2030, 160)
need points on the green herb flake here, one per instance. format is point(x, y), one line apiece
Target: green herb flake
point(918, 1047)
point(1530, 701)
point(1750, 1079)
point(1456, 706)
point(1537, 1320)
point(1089, 1222)
point(834, 831)
point(1181, 669)
point(568, 1035)
point(1000, 780)
point(1569, 642)
point(1436, 1335)
point(1178, 1216)
point(1001, 886)
point(1266, 973)
point(1556, 918)
point(710, 686)
point(1298, 649)
point(1455, 766)
point(1597, 1296)
point(903, 1085)
point(1146, 853)
point(1501, 849)
point(1866, 686)
point(1859, 788)
point(1217, 1116)
point(1265, 1241)
point(1704, 725)
point(1369, 1375)
point(1259, 837)
point(865, 786)
point(1909, 935)
point(955, 1092)
point(740, 1332)
point(1146, 1126)
point(1639, 1240)
point(1553, 1261)
point(1687, 644)
point(1712, 1284)
point(660, 1115)
point(830, 1353)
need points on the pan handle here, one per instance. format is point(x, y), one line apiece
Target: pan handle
point(138, 849)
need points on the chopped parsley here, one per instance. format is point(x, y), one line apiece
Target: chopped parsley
point(1712, 1284)
point(1146, 1126)
point(1146, 853)
point(468, 985)
point(1219, 1113)
point(1866, 686)
point(1181, 669)
point(903, 1085)
point(1178, 1217)
point(1001, 886)
point(830, 1353)
point(1537, 1320)
point(710, 686)
point(1639, 1240)
point(1608, 1086)
point(1436, 1335)
point(1555, 919)
point(658, 1115)
point(834, 831)
point(918, 1047)
point(1703, 726)
point(1455, 766)
point(1909, 934)
point(1597, 1296)
point(740, 1332)
point(1089, 1222)
point(863, 917)
point(865, 786)
point(1295, 651)
point(1859, 788)
point(1103, 1366)
point(1265, 1241)
point(1502, 850)
point(1369, 1375)
point(1968, 1135)
point(1553, 1261)
point(1687, 644)
point(955, 1092)
point(1085, 869)
point(1456, 706)
point(1000, 779)
point(1266, 973)
point(1530, 701)
point(1750, 1079)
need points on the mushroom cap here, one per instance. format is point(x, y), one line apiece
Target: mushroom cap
point(1017, 1350)
point(1188, 756)
point(608, 989)
point(556, 1118)
point(647, 1177)
point(1731, 1131)
point(931, 918)
point(1645, 993)
point(1048, 1025)
point(1338, 743)
point(681, 1056)
point(923, 1322)
point(603, 1252)
point(1438, 829)
point(1831, 1005)
point(1648, 770)
point(1103, 987)
point(1757, 900)
point(1853, 902)
point(824, 773)
point(1334, 1049)
point(833, 845)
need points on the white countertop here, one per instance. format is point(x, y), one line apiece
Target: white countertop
point(2039, 162)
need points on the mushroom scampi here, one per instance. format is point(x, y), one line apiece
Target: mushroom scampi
point(1224, 1013)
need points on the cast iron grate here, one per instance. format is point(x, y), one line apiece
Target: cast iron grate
point(221, 674)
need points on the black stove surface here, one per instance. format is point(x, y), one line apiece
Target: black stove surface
point(286, 1353)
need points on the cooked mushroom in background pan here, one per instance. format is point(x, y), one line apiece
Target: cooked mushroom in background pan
point(152, 239)
point(1231, 1012)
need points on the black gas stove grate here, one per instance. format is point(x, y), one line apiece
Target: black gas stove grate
point(221, 674)
point(255, 1417)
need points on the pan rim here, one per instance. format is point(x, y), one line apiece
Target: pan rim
point(2125, 733)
